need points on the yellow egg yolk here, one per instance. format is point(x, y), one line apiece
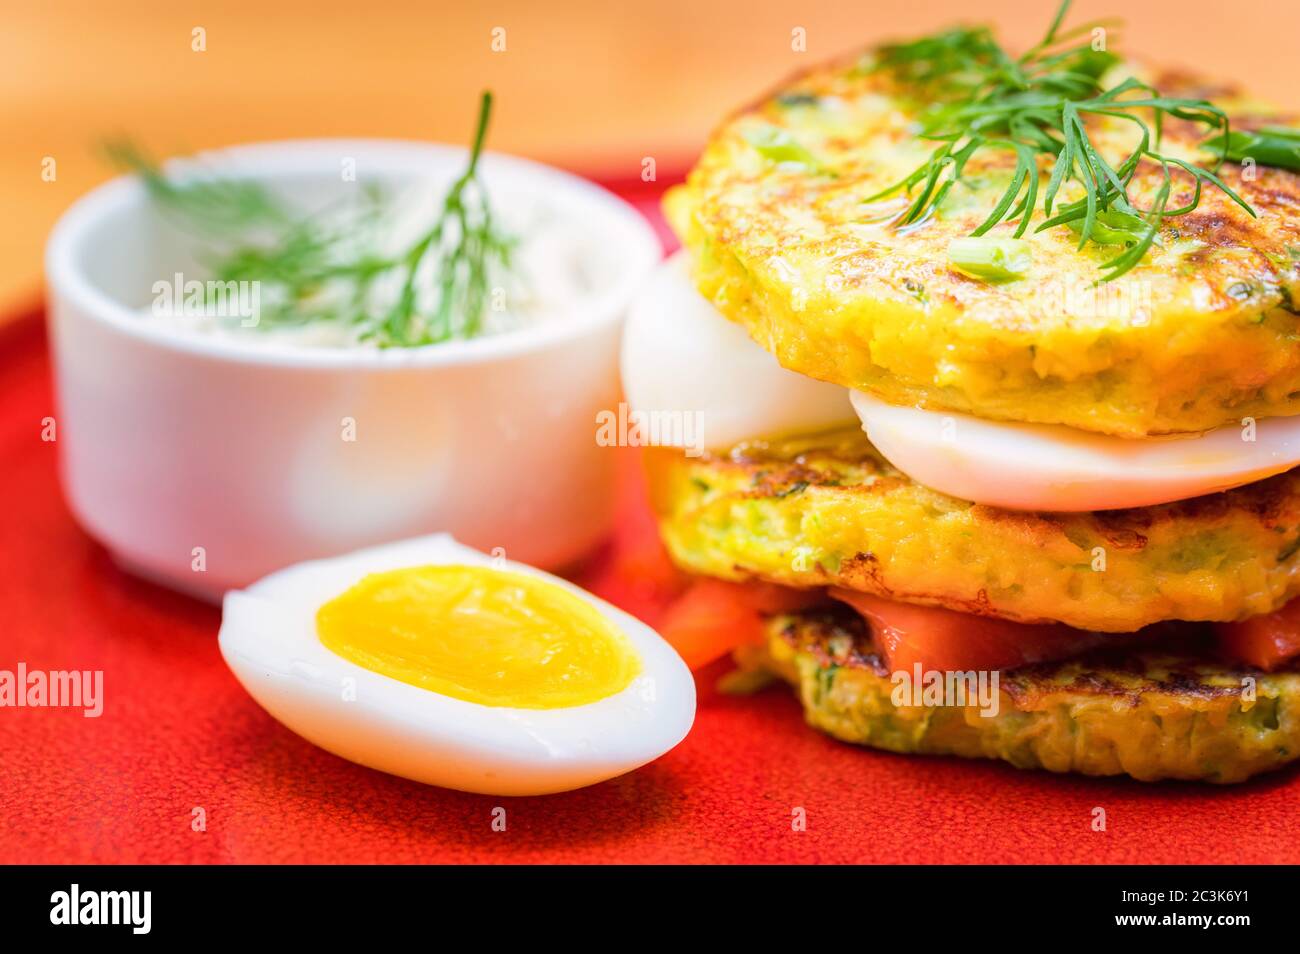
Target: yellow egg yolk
point(492, 637)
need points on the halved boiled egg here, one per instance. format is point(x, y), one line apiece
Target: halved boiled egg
point(680, 354)
point(432, 661)
point(1056, 468)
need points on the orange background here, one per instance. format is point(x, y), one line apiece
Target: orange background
point(588, 84)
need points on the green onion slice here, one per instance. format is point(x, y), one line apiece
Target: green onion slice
point(776, 145)
point(993, 259)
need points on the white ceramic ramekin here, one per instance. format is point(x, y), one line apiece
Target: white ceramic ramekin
point(206, 463)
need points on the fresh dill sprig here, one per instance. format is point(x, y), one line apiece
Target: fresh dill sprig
point(463, 263)
point(1035, 105)
point(221, 205)
point(331, 267)
point(1277, 146)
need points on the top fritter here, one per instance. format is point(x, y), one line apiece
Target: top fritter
point(1140, 317)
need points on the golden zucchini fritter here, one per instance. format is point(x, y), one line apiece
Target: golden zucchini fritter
point(1153, 714)
point(826, 509)
point(1204, 332)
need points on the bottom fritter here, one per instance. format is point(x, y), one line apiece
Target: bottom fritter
point(1151, 714)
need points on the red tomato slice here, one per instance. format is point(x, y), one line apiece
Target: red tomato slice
point(1265, 641)
point(713, 617)
point(950, 641)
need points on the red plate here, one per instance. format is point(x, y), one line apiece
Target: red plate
point(178, 734)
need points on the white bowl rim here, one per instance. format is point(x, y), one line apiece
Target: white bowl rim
point(643, 251)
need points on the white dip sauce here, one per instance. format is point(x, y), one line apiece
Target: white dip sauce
point(556, 263)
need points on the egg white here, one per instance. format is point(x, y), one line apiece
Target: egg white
point(1056, 468)
point(681, 355)
point(268, 639)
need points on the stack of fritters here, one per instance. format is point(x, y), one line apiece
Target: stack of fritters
point(817, 276)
